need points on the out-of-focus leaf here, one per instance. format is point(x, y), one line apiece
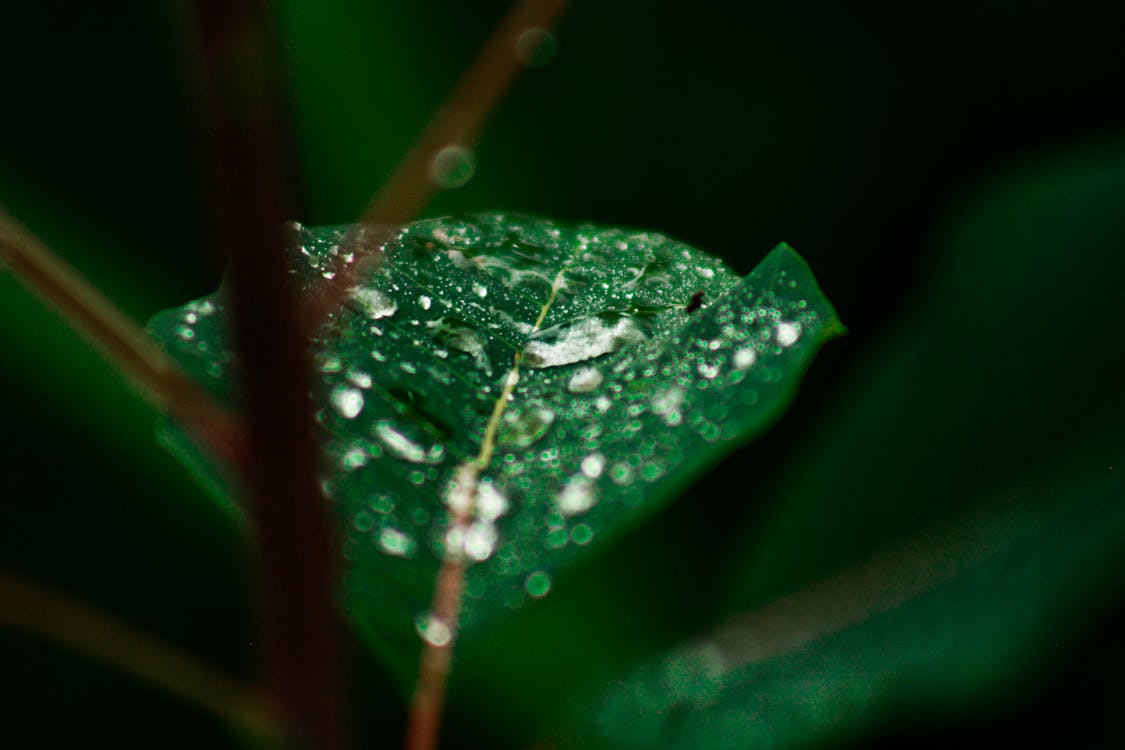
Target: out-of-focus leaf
point(937, 621)
point(1010, 362)
point(1013, 355)
point(633, 362)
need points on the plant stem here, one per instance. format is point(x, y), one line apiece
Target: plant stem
point(253, 193)
point(119, 339)
point(457, 122)
point(462, 115)
point(445, 608)
point(52, 615)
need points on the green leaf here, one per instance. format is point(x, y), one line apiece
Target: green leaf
point(621, 364)
point(942, 620)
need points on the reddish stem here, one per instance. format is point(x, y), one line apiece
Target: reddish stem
point(297, 549)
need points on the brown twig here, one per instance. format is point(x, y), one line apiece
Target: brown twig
point(297, 553)
point(120, 340)
point(462, 115)
point(445, 607)
point(457, 122)
point(76, 625)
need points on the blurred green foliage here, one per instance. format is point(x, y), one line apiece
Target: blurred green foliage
point(953, 173)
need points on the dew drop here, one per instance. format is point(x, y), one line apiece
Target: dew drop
point(621, 474)
point(744, 359)
point(374, 303)
point(491, 503)
point(480, 541)
point(788, 333)
point(425, 302)
point(353, 458)
point(538, 584)
point(452, 167)
point(433, 630)
point(557, 538)
point(536, 47)
point(576, 497)
point(348, 401)
point(359, 378)
point(363, 521)
point(403, 447)
point(593, 465)
point(459, 493)
point(394, 542)
point(463, 338)
point(708, 371)
point(582, 534)
point(526, 425)
point(584, 380)
point(666, 404)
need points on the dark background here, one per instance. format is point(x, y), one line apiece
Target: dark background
point(858, 132)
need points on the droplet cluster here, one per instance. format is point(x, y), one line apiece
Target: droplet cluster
point(621, 362)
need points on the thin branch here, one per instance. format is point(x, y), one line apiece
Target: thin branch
point(75, 625)
point(461, 117)
point(457, 122)
point(297, 551)
point(119, 340)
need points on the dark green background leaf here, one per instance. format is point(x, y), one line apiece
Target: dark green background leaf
point(935, 625)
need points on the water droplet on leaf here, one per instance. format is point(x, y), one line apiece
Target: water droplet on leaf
point(373, 303)
point(348, 401)
point(584, 380)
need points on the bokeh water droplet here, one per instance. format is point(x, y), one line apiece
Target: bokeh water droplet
point(374, 303)
point(525, 425)
point(538, 584)
point(433, 630)
point(400, 444)
point(744, 359)
point(584, 380)
point(480, 540)
point(577, 496)
point(452, 167)
point(536, 47)
point(395, 542)
point(348, 401)
point(592, 465)
point(788, 333)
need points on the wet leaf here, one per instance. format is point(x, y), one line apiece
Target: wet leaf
point(617, 366)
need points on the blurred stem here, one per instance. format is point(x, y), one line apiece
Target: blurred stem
point(457, 122)
point(119, 339)
point(84, 629)
point(462, 115)
point(246, 137)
